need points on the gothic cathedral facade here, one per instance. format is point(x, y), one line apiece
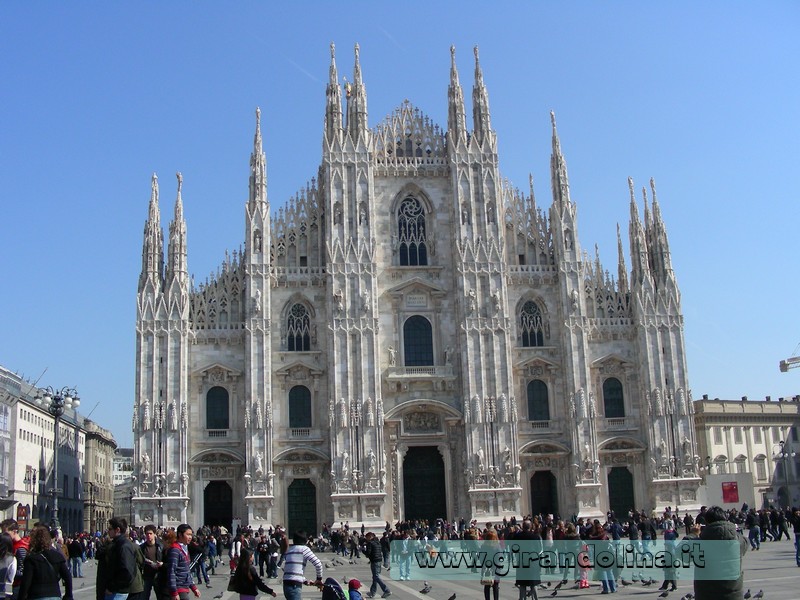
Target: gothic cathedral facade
point(409, 337)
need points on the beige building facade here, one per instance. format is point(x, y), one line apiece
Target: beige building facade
point(758, 437)
point(410, 336)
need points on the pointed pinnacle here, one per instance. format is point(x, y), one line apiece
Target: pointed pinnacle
point(357, 68)
point(154, 188)
point(653, 189)
point(333, 51)
point(478, 71)
point(180, 181)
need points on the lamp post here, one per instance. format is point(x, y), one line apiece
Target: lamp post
point(783, 455)
point(30, 486)
point(130, 508)
point(57, 402)
point(91, 507)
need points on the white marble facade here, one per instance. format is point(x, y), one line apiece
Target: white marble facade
point(408, 298)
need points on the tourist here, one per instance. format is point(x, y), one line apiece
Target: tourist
point(375, 555)
point(44, 568)
point(246, 580)
point(177, 578)
point(295, 559)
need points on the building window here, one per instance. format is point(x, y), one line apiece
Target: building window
point(531, 325)
point(418, 342)
point(776, 434)
point(741, 464)
point(538, 404)
point(717, 434)
point(757, 434)
point(613, 399)
point(299, 407)
point(737, 435)
point(298, 329)
point(217, 410)
point(411, 233)
point(721, 463)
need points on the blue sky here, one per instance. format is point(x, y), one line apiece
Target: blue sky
point(95, 97)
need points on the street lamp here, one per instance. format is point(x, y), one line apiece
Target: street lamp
point(783, 455)
point(30, 486)
point(57, 402)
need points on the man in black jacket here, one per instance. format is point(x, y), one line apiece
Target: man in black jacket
point(121, 561)
point(375, 555)
point(153, 551)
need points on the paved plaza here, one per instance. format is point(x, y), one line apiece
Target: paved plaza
point(771, 569)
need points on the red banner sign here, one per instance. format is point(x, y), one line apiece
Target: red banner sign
point(730, 492)
point(22, 516)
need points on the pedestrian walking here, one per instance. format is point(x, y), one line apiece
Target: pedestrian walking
point(374, 554)
point(294, 562)
point(45, 567)
point(246, 580)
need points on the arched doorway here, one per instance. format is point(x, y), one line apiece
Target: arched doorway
point(302, 497)
point(544, 493)
point(218, 504)
point(423, 484)
point(620, 491)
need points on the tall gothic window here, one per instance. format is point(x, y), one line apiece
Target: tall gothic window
point(531, 325)
point(217, 415)
point(538, 405)
point(411, 233)
point(299, 407)
point(613, 399)
point(418, 342)
point(299, 329)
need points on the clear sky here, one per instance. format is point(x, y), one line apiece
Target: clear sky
point(95, 97)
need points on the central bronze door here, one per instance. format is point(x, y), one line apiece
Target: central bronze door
point(423, 484)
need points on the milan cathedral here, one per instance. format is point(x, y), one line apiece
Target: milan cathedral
point(409, 337)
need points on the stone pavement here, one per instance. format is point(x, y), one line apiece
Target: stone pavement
point(771, 569)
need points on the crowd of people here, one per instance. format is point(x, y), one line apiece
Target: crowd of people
point(134, 563)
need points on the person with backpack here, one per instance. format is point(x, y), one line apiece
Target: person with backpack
point(44, 568)
point(175, 578)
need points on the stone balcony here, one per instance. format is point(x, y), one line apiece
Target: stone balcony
point(441, 376)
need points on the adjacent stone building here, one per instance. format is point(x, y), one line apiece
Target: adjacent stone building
point(98, 482)
point(409, 336)
point(741, 436)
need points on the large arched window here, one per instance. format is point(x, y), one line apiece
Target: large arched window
point(411, 233)
point(298, 329)
point(299, 407)
point(538, 404)
point(217, 414)
point(613, 399)
point(418, 342)
point(531, 325)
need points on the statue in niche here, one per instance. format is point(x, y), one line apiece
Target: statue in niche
point(369, 414)
point(270, 483)
point(670, 404)
point(365, 298)
point(345, 465)
point(259, 462)
point(145, 469)
point(496, 301)
point(507, 460)
point(362, 215)
point(379, 410)
point(257, 241)
point(146, 414)
point(392, 356)
point(574, 300)
point(173, 417)
point(333, 482)
point(258, 302)
point(338, 300)
point(372, 464)
point(448, 355)
point(687, 452)
point(337, 214)
point(472, 302)
point(395, 243)
point(259, 416)
point(592, 407)
point(464, 214)
point(481, 459)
